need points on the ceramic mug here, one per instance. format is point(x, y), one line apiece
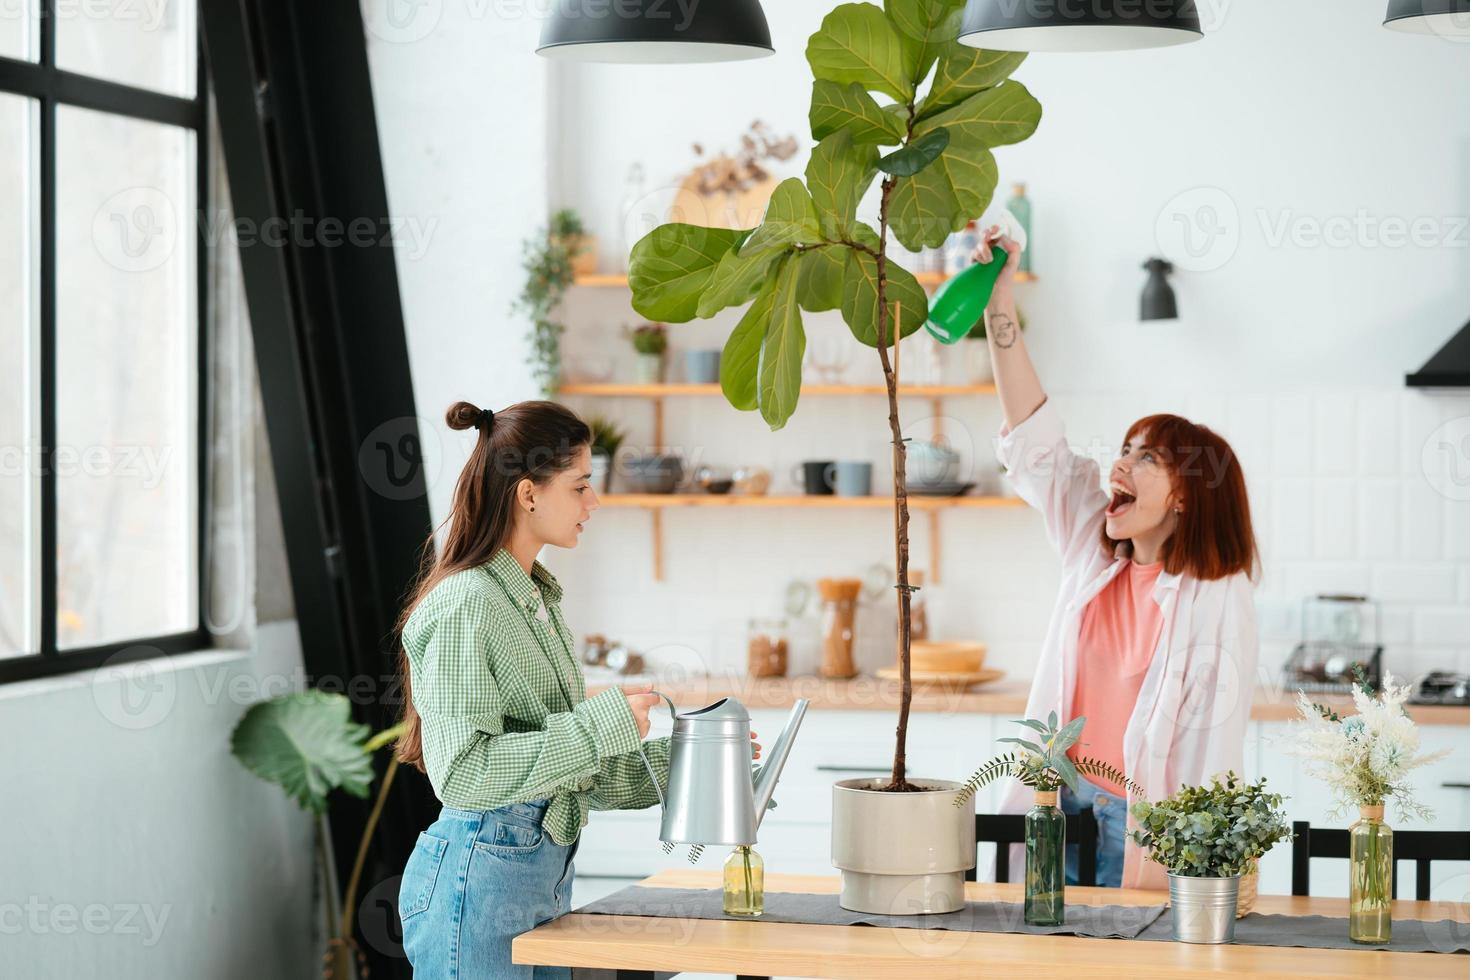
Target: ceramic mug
point(815, 476)
point(854, 479)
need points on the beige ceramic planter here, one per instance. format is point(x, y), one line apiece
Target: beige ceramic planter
point(902, 853)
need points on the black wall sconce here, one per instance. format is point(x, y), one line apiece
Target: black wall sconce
point(1158, 296)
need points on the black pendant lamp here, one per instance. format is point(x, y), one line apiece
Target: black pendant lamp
point(658, 32)
point(1097, 25)
point(1445, 18)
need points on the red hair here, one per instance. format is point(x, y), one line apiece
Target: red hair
point(1213, 538)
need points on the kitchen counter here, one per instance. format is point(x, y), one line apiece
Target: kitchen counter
point(1002, 697)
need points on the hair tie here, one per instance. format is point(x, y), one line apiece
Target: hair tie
point(486, 419)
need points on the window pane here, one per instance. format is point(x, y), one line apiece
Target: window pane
point(19, 426)
point(126, 366)
point(19, 28)
point(148, 43)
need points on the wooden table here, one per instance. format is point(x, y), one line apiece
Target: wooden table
point(635, 946)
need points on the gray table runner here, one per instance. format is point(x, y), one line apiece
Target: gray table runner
point(1106, 921)
point(1150, 922)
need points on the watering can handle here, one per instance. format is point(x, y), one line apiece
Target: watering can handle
point(652, 776)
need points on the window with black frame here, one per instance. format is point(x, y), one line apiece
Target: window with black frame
point(102, 122)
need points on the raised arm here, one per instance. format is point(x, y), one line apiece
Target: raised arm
point(1016, 382)
point(1033, 447)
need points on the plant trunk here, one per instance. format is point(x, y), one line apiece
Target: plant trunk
point(899, 782)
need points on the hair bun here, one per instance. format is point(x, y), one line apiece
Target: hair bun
point(462, 415)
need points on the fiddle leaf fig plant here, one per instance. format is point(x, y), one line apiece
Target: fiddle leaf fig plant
point(895, 99)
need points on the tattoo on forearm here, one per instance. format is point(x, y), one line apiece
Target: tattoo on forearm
point(1003, 329)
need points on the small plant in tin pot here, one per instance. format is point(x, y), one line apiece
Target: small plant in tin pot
point(1043, 764)
point(1207, 837)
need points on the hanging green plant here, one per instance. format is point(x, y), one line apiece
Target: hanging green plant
point(548, 264)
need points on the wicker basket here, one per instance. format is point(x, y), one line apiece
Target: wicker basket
point(1248, 886)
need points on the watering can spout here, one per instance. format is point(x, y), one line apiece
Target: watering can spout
point(766, 776)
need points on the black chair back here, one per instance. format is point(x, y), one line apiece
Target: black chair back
point(1423, 847)
point(1002, 829)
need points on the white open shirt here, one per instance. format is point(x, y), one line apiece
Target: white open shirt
point(1189, 721)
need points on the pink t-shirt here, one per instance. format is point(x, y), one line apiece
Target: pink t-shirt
point(1120, 630)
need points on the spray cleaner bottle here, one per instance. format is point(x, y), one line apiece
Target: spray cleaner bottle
point(960, 302)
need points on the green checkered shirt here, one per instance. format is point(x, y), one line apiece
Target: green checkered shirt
point(504, 706)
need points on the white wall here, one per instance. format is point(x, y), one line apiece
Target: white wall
point(142, 848)
point(1308, 113)
point(461, 103)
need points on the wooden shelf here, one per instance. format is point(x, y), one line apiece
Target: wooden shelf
point(613, 280)
point(916, 502)
point(663, 390)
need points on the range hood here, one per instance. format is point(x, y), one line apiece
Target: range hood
point(1448, 368)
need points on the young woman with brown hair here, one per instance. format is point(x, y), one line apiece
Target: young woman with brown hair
point(496, 704)
point(1153, 637)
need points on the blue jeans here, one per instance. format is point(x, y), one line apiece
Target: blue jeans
point(477, 879)
point(1112, 822)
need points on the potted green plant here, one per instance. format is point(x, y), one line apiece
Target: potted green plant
point(549, 261)
point(607, 436)
point(308, 744)
point(1207, 837)
point(1043, 764)
point(650, 340)
point(1365, 760)
point(928, 144)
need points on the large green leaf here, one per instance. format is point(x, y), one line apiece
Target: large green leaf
point(836, 106)
point(860, 297)
point(737, 278)
point(1005, 114)
point(790, 219)
point(837, 176)
point(819, 286)
point(857, 43)
point(670, 267)
point(926, 28)
point(956, 188)
point(779, 384)
point(963, 71)
point(916, 155)
point(740, 360)
point(306, 743)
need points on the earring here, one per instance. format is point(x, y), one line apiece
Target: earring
point(533, 508)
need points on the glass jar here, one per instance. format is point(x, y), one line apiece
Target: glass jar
point(1370, 892)
point(839, 616)
point(745, 882)
point(766, 648)
point(1046, 851)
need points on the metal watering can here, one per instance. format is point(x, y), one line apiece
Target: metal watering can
point(712, 796)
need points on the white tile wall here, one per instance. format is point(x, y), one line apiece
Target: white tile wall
point(1339, 495)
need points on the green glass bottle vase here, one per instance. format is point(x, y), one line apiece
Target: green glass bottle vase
point(1370, 893)
point(745, 883)
point(1046, 865)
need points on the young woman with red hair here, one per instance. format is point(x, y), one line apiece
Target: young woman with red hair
point(1153, 637)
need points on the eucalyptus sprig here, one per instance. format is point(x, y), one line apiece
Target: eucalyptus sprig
point(1043, 764)
point(1213, 831)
